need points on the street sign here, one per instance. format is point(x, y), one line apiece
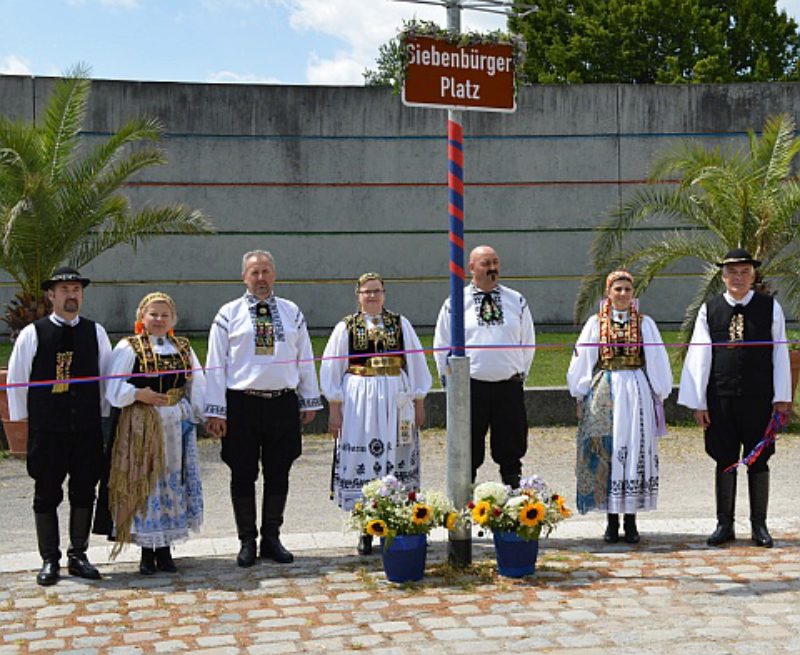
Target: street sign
point(451, 76)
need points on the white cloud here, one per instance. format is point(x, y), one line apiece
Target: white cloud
point(229, 77)
point(343, 69)
point(364, 26)
point(13, 65)
point(123, 4)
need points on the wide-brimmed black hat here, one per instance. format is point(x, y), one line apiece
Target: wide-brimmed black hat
point(65, 274)
point(739, 256)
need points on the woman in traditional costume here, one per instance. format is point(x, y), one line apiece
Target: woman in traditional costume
point(376, 400)
point(620, 376)
point(154, 492)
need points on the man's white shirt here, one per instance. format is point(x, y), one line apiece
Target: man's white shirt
point(697, 366)
point(19, 366)
point(515, 331)
point(232, 362)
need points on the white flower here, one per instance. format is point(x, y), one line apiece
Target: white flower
point(494, 491)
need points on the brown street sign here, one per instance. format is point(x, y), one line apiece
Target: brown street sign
point(442, 74)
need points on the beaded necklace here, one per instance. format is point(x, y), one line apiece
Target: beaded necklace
point(615, 336)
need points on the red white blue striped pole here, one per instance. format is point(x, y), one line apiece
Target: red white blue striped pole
point(455, 185)
point(459, 450)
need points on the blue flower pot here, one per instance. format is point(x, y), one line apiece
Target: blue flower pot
point(516, 557)
point(404, 559)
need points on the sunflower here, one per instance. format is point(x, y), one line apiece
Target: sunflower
point(376, 528)
point(532, 514)
point(421, 514)
point(480, 513)
point(450, 520)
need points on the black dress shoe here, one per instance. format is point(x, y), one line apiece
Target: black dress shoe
point(80, 566)
point(164, 561)
point(761, 536)
point(723, 534)
point(49, 573)
point(631, 531)
point(147, 565)
point(611, 535)
point(247, 553)
point(364, 544)
point(272, 548)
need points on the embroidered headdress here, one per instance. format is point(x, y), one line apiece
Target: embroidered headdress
point(617, 275)
point(613, 336)
point(149, 299)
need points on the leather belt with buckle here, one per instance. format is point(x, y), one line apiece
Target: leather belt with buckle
point(267, 394)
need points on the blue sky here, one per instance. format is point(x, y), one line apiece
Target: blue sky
point(269, 41)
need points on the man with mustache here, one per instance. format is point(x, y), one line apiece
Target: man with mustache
point(494, 315)
point(64, 434)
point(260, 385)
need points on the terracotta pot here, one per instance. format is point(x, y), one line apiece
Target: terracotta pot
point(17, 436)
point(16, 431)
point(794, 362)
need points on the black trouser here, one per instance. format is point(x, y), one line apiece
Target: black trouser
point(265, 430)
point(52, 456)
point(500, 408)
point(737, 425)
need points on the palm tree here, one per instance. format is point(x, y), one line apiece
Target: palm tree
point(60, 204)
point(723, 199)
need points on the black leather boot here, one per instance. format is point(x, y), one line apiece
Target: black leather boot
point(48, 539)
point(631, 531)
point(758, 489)
point(147, 565)
point(365, 544)
point(511, 479)
point(271, 521)
point(164, 561)
point(244, 511)
point(611, 535)
point(80, 524)
point(725, 487)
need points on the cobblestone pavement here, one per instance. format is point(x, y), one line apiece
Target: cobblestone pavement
point(670, 594)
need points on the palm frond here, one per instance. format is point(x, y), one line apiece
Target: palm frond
point(65, 113)
point(146, 224)
point(710, 285)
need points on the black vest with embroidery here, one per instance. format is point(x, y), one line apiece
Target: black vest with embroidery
point(148, 362)
point(75, 406)
point(364, 342)
point(743, 370)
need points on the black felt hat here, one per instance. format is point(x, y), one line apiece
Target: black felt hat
point(65, 274)
point(739, 256)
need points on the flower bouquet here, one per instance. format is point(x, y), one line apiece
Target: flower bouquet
point(401, 518)
point(516, 518)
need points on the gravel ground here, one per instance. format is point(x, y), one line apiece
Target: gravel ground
point(686, 483)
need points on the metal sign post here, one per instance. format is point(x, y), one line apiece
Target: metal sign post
point(441, 74)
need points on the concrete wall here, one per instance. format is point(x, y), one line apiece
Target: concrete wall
point(337, 181)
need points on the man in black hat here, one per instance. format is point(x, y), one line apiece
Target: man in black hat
point(64, 435)
point(733, 389)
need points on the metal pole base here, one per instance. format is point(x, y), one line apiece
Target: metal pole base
point(459, 553)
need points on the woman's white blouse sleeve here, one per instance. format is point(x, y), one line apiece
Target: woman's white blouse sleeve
point(120, 392)
point(584, 358)
point(334, 363)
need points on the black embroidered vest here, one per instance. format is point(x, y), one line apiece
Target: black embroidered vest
point(364, 341)
point(743, 370)
point(65, 352)
point(148, 362)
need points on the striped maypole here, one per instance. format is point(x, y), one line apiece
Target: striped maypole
point(455, 185)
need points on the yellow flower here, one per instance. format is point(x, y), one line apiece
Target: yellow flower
point(376, 528)
point(357, 507)
point(450, 520)
point(565, 512)
point(532, 514)
point(421, 514)
point(480, 513)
